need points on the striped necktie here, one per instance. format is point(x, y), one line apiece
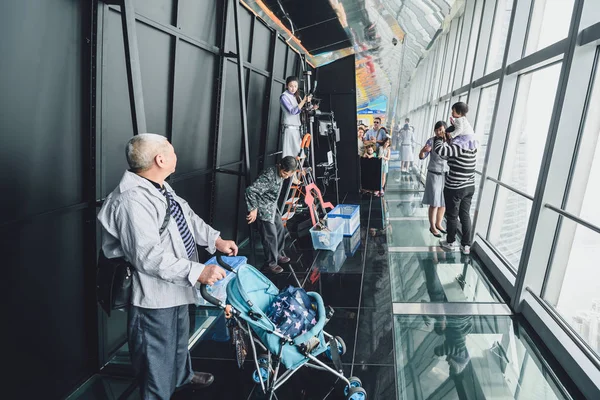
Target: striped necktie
point(184, 231)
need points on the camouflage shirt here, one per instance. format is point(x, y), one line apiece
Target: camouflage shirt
point(264, 193)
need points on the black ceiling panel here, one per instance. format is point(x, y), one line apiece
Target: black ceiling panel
point(315, 24)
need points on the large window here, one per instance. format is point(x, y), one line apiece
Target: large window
point(499, 35)
point(483, 121)
point(509, 224)
point(474, 35)
point(549, 23)
point(529, 128)
point(577, 298)
point(573, 285)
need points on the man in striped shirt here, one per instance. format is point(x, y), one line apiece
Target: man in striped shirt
point(461, 153)
point(166, 265)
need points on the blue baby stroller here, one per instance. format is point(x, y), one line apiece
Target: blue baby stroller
point(249, 295)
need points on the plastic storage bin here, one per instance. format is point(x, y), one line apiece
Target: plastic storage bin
point(351, 244)
point(331, 261)
point(350, 214)
point(218, 290)
point(329, 239)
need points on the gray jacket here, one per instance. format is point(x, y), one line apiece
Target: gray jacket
point(131, 218)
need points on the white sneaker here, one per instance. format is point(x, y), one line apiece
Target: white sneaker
point(449, 246)
point(465, 249)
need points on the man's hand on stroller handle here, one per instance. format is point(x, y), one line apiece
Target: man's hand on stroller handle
point(211, 274)
point(227, 247)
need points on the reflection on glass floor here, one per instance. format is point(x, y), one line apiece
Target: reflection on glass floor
point(406, 205)
point(438, 277)
point(201, 319)
point(468, 357)
point(102, 387)
point(411, 233)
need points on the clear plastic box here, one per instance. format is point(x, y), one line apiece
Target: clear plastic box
point(350, 214)
point(328, 239)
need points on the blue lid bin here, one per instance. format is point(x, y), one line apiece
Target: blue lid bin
point(218, 290)
point(350, 214)
point(330, 238)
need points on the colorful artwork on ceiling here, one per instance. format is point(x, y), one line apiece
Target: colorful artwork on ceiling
point(389, 38)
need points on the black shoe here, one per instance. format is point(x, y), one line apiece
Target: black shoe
point(441, 229)
point(437, 235)
point(200, 380)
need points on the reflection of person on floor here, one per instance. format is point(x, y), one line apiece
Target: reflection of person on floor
point(454, 329)
point(406, 145)
point(261, 199)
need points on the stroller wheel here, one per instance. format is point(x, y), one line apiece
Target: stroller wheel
point(356, 393)
point(341, 347)
point(263, 360)
point(354, 383)
point(264, 373)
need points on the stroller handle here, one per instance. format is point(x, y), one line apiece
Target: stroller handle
point(223, 264)
point(203, 290)
point(212, 300)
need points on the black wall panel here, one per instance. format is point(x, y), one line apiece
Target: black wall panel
point(226, 204)
point(260, 47)
point(292, 58)
point(280, 58)
point(256, 95)
point(231, 136)
point(196, 191)
point(47, 329)
point(194, 108)
point(155, 49)
point(162, 11)
point(40, 107)
point(115, 121)
point(200, 19)
point(245, 30)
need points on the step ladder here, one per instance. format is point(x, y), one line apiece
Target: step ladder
point(302, 186)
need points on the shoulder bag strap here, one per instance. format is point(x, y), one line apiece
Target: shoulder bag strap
point(167, 217)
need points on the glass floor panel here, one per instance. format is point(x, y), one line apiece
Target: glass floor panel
point(409, 205)
point(102, 387)
point(411, 233)
point(438, 277)
point(468, 357)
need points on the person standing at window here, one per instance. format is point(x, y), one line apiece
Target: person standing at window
point(461, 153)
point(434, 183)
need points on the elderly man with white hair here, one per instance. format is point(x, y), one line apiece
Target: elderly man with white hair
point(166, 265)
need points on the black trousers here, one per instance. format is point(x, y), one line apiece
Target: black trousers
point(272, 235)
point(458, 206)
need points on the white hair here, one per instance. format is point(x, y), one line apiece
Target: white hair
point(141, 150)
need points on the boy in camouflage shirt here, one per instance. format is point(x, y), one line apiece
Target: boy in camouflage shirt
point(261, 199)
